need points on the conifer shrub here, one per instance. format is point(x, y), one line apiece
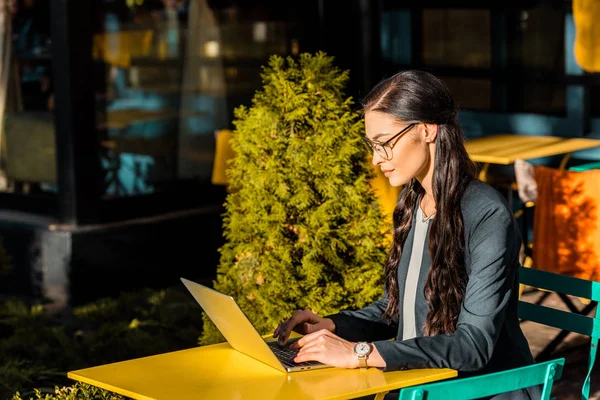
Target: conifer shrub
point(37, 347)
point(79, 391)
point(302, 227)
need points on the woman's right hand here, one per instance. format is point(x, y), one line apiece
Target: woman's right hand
point(303, 322)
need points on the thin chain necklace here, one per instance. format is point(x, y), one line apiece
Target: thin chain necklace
point(425, 218)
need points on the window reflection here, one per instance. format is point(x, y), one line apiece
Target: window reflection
point(174, 71)
point(456, 37)
point(535, 42)
point(27, 145)
point(475, 94)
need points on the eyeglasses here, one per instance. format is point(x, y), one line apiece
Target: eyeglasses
point(385, 149)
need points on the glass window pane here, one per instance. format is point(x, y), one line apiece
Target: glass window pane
point(173, 73)
point(537, 98)
point(536, 38)
point(28, 153)
point(396, 45)
point(458, 38)
point(594, 100)
point(473, 94)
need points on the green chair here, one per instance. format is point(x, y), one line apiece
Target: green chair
point(490, 384)
point(585, 167)
point(574, 321)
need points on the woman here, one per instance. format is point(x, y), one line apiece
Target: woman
point(451, 288)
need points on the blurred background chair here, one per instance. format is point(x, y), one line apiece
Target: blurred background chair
point(223, 153)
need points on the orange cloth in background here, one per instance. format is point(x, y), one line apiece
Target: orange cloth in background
point(586, 14)
point(566, 227)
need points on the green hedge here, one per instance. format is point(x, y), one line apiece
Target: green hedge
point(37, 349)
point(79, 391)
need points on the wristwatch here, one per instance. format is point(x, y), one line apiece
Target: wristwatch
point(362, 351)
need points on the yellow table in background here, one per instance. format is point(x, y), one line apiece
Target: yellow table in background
point(220, 372)
point(506, 149)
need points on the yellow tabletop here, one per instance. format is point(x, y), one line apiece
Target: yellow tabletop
point(220, 372)
point(506, 149)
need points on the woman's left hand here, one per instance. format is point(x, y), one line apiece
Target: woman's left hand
point(327, 348)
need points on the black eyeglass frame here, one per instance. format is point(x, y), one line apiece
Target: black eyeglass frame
point(386, 145)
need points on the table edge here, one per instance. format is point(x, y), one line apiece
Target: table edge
point(105, 386)
point(444, 373)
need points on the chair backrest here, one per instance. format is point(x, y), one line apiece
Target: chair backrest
point(585, 167)
point(583, 324)
point(490, 384)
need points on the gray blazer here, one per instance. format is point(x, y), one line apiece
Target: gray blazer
point(488, 337)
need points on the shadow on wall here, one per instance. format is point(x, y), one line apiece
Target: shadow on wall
point(567, 223)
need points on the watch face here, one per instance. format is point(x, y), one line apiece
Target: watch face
point(362, 349)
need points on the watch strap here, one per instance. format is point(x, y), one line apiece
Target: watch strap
point(362, 361)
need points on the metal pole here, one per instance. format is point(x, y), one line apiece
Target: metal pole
point(77, 157)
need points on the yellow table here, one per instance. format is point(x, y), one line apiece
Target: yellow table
point(506, 149)
point(219, 372)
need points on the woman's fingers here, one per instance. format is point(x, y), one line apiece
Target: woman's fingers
point(276, 331)
point(316, 353)
point(284, 329)
point(328, 348)
point(310, 338)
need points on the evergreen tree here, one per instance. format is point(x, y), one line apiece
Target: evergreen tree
point(303, 229)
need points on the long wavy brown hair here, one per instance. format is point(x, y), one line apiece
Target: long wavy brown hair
point(420, 96)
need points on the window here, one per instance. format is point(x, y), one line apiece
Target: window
point(535, 39)
point(536, 52)
point(459, 38)
point(27, 157)
point(173, 74)
point(496, 59)
point(537, 98)
point(594, 97)
point(473, 94)
point(456, 38)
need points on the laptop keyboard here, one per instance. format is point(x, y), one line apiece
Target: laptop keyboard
point(286, 355)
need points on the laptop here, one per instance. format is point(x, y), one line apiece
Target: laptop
point(242, 335)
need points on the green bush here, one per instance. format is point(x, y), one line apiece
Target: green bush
point(302, 226)
point(37, 349)
point(79, 391)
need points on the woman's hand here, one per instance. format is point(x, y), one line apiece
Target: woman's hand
point(303, 322)
point(327, 348)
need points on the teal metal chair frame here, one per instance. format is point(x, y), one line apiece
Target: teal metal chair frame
point(585, 167)
point(567, 321)
point(490, 384)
